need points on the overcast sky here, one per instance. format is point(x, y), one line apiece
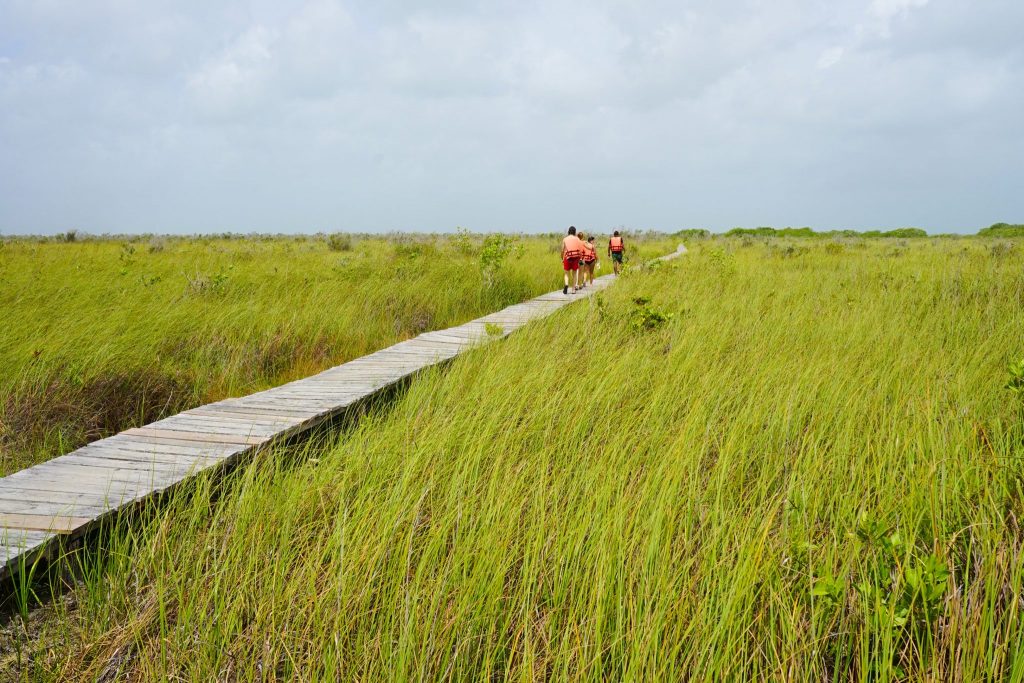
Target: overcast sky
point(192, 115)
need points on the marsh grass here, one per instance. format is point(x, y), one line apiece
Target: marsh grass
point(810, 470)
point(104, 334)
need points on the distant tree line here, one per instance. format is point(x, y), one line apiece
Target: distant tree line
point(1003, 230)
point(809, 232)
point(997, 230)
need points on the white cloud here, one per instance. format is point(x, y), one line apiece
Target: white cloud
point(237, 75)
point(884, 12)
point(377, 115)
point(831, 56)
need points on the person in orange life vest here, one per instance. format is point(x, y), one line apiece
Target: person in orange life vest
point(589, 259)
point(616, 249)
point(572, 251)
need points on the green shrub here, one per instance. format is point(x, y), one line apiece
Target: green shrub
point(339, 241)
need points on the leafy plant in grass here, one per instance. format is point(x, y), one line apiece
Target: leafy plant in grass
point(463, 242)
point(901, 592)
point(645, 318)
point(200, 284)
point(1015, 384)
point(496, 248)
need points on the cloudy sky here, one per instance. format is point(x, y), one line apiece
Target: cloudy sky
point(192, 115)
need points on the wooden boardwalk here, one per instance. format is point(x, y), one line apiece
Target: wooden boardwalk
point(65, 497)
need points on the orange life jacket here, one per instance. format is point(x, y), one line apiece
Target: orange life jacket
point(572, 247)
point(589, 253)
point(615, 244)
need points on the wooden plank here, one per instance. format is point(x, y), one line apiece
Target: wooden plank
point(51, 470)
point(78, 509)
point(253, 417)
point(362, 377)
point(197, 426)
point(200, 438)
point(222, 430)
point(101, 484)
point(25, 495)
point(136, 459)
point(324, 394)
point(56, 523)
point(234, 418)
point(235, 408)
point(161, 447)
point(326, 405)
point(143, 439)
point(162, 467)
point(64, 473)
point(83, 508)
point(436, 342)
point(13, 537)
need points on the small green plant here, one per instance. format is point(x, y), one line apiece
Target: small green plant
point(462, 242)
point(200, 284)
point(828, 590)
point(496, 248)
point(127, 257)
point(1016, 381)
point(493, 330)
point(723, 261)
point(646, 318)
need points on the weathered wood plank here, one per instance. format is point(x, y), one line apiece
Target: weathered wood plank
point(236, 408)
point(22, 537)
point(195, 425)
point(241, 417)
point(201, 438)
point(53, 523)
point(150, 445)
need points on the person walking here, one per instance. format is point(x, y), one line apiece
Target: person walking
point(617, 250)
point(572, 251)
point(589, 259)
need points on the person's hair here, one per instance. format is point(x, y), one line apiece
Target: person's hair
point(583, 236)
point(572, 229)
point(616, 234)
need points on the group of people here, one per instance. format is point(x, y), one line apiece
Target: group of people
point(580, 254)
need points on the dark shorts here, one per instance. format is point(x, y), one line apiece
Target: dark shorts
point(617, 256)
point(570, 264)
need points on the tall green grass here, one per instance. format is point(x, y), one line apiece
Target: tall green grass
point(101, 335)
point(756, 462)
